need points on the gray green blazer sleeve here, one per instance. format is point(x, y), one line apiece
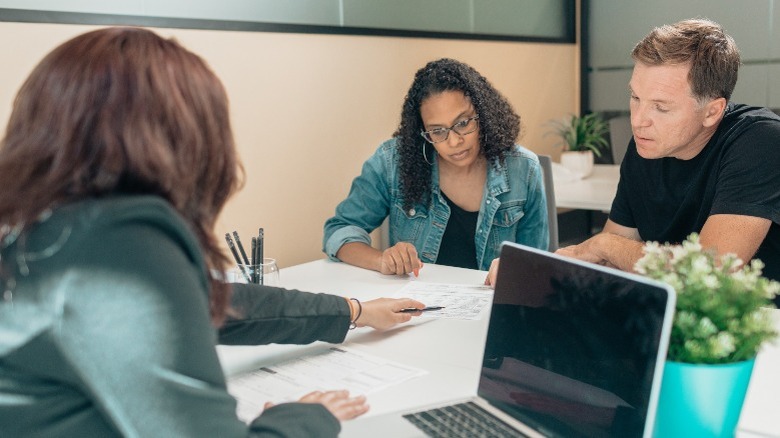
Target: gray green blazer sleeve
point(110, 335)
point(265, 315)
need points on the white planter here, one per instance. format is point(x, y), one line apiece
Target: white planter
point(580, 164)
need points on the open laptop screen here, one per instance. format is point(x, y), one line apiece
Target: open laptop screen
point(572, 348)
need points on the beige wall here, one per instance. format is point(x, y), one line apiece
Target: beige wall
point(307, 110)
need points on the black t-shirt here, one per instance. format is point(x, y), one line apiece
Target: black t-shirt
point(457, 244)
point(738, 172)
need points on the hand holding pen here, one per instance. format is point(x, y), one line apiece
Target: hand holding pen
point(384, 313)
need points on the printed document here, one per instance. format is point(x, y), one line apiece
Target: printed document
point(332, 368)
point(459, 301)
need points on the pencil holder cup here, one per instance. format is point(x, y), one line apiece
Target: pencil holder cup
point(270, 272)
point(266, 273)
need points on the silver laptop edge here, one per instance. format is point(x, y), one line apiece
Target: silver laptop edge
point(389, 424)
point(665, 332)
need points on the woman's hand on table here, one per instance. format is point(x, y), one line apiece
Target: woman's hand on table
point(490, 280)
point(339, 403)
point(384, 313)
point(400, 259)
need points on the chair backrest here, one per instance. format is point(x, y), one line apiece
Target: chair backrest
point(619, 136)
point(549, 191)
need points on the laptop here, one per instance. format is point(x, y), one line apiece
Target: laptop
point(573, 349)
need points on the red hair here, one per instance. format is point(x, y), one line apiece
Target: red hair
point(122, 111)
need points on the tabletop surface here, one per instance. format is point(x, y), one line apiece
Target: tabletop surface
point(594, 192)
point(451, 350)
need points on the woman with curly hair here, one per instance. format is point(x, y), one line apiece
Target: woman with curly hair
point(452, 181)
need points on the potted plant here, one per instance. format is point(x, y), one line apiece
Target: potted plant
point(719, 325)
point(581, 138)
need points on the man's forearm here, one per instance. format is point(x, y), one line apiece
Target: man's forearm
point(618, 251)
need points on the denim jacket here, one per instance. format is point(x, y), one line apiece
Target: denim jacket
point(513, 208)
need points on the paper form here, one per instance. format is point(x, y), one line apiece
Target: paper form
point(460, 301)
point(333, 368)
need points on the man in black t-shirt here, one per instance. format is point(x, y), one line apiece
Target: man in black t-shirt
point(696, 162)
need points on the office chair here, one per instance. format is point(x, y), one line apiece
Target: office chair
point(619, 136)
point(549, 191)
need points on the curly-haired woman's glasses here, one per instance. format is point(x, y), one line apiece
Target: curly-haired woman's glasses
point(461, 128)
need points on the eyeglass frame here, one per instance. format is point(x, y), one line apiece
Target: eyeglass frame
point(427, 134)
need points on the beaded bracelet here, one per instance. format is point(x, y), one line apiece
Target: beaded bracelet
point(353, 323)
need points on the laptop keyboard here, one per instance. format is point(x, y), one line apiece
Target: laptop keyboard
point(461, 420)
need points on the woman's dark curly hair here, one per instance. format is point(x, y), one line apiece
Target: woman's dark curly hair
point(499, 125)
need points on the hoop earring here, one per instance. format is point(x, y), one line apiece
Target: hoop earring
point(425, 156)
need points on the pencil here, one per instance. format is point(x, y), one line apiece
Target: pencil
point(240, 248)
point(255, 279)
point(235, 255)
point(260, 260)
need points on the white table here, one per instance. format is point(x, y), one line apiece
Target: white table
point(594, 192)
point(434, 345)
point(761, 412)
point(451, 350)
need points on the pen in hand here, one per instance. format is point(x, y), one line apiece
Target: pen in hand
point(424, 309)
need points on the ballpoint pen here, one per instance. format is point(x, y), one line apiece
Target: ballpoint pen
point(424, 309)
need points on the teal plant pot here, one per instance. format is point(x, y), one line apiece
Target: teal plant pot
point(699, 400)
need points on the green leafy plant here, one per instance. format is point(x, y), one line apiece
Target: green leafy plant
point(720, 316)
point(586, 133)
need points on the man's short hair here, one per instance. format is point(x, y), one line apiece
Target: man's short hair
point(712, 54)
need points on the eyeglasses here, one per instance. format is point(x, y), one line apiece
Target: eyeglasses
point(463, 127)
